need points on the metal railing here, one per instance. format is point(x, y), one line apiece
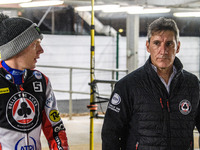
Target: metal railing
point(71, 91)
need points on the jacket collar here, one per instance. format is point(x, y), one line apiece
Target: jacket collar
point(5, 74)
point(154, 76)
point(177, 63)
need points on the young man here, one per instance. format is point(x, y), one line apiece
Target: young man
point(156, 106)
point(27, 102)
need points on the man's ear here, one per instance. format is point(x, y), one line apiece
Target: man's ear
point(147, 46)
point(178, 47)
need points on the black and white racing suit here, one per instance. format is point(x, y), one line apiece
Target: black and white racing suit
point(26, 109)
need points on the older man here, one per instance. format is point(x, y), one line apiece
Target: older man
point(156, 106)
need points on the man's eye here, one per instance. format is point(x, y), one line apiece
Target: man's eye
point(169, 43)
point(156, 43)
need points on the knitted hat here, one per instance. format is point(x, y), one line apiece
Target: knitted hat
point(16, 34)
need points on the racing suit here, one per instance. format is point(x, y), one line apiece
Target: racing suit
point(27, 108)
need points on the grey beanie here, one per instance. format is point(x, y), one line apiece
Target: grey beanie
point(16, 34)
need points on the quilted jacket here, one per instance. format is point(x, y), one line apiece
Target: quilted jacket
point(142, 115)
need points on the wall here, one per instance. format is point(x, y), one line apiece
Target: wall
point(74, 51)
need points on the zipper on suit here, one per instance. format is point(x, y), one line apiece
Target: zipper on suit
point(21, 90)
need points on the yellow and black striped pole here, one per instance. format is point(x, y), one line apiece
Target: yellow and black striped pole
point(92, 65)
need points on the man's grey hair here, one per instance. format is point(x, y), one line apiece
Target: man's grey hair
point(163, 24)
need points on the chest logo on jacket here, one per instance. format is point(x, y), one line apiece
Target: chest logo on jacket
point(185, 107)
point(22, 111)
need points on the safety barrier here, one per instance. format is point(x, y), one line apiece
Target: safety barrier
point(71, 91)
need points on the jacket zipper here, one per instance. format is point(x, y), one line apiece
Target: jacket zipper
point(168, 124)
point(168, 106)
point(168, 121)
point(191, 146)
point(136, 146)
point(161, 103)
point(21, 90)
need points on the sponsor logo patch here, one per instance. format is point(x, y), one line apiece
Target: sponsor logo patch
point(16, 72)
point(20, 145)
point(58, 141)
point(54, 115)
point(59, 127)
point(116, 99)
point(37, 75)
point(49, 101)
point(38, 29)
point(8, 76)
point(185, 107)
point(4, 90)
point(22, 111)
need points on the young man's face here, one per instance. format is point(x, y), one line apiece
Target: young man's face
point(28, 57)
point(163, 48)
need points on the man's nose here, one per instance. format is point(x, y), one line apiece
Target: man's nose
point(40, 49)
point(163, 49)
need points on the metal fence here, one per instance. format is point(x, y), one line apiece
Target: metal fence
point(71, 91)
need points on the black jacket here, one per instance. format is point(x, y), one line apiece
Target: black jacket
point(142, 115)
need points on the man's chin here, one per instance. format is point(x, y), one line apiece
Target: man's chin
point(163, 67)
point(32, 67)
